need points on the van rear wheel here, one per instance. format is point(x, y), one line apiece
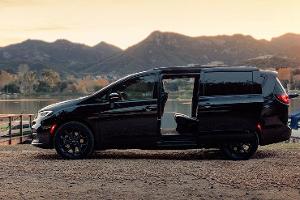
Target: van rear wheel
point(241, 150)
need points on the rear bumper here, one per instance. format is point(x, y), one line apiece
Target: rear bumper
point(270, 135)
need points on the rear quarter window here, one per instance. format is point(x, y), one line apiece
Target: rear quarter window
point(228, 83)
point(267, 80)
point(279, 89)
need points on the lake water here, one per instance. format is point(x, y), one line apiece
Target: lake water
point(8, 106)
point(16, 106)
point(30, 106)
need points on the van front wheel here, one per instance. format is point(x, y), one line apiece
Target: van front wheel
point(240, 150)
point(74, 140)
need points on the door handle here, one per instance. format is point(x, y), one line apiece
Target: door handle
point(205, 106)
point(150, 108)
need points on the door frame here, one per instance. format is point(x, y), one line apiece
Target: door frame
point(195, 75)
point(121, 143)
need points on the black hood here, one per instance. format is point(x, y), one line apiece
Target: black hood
point(63, 104)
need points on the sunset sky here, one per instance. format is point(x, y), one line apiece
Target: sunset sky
point(126, 22)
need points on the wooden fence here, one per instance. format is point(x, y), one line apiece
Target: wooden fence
point(14, 129)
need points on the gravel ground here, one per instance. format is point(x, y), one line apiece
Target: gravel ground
point(27, 172)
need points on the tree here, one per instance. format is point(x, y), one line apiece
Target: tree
point(28, 81)
point(22, 69)
point(11, 88)
point(51, 77)
point(43, 87)
point(62, 86)
point(6, 78)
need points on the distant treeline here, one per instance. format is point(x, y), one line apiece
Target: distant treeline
point(48, 81)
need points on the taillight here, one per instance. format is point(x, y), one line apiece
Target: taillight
point(283, 98)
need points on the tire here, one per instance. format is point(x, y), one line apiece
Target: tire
point(241, 150)
point(74, 140)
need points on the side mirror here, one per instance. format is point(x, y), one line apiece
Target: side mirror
point(293, 95)
point(113, 97)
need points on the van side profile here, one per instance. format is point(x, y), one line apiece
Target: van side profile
point(235, 109)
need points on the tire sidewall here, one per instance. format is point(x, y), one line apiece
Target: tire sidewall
point(90, 147)
point(232, 156)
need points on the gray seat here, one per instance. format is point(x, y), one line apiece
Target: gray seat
point(185, 124)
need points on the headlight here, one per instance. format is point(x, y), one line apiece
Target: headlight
point(45, 113)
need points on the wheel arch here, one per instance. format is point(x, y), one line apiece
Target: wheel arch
point(82, 121)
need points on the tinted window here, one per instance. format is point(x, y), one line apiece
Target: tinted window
point(267, 82)
point(228, 83)
point(139, 88)
point(279, 89)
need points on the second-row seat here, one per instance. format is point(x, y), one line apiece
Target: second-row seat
point(185, 124)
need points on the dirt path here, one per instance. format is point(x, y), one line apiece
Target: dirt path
point(27, 172)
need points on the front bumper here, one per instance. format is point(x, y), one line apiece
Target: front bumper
point(41, 136)
point(270, 135)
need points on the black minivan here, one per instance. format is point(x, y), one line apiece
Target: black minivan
point(234, 109)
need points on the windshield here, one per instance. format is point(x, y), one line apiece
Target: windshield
point(115, 83)
point(109, 85)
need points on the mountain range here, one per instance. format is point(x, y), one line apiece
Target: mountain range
point(157, 50)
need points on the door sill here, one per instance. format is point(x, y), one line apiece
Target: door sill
point(177, 141)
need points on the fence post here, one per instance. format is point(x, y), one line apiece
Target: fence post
point(21, 129)
point(9, 129)
point(30, 125)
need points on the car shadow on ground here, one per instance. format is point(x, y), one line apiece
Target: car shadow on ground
point(162, 155)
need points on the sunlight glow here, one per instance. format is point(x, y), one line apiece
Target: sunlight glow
point(126, 22)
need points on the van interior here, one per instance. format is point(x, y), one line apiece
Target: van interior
point(178, 107)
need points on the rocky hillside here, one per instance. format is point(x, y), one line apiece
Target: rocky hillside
point(158, 49)
point(169, 49)
point(61, 55)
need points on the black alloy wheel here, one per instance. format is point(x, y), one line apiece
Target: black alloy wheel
point(74, 140)
point(241, 150)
